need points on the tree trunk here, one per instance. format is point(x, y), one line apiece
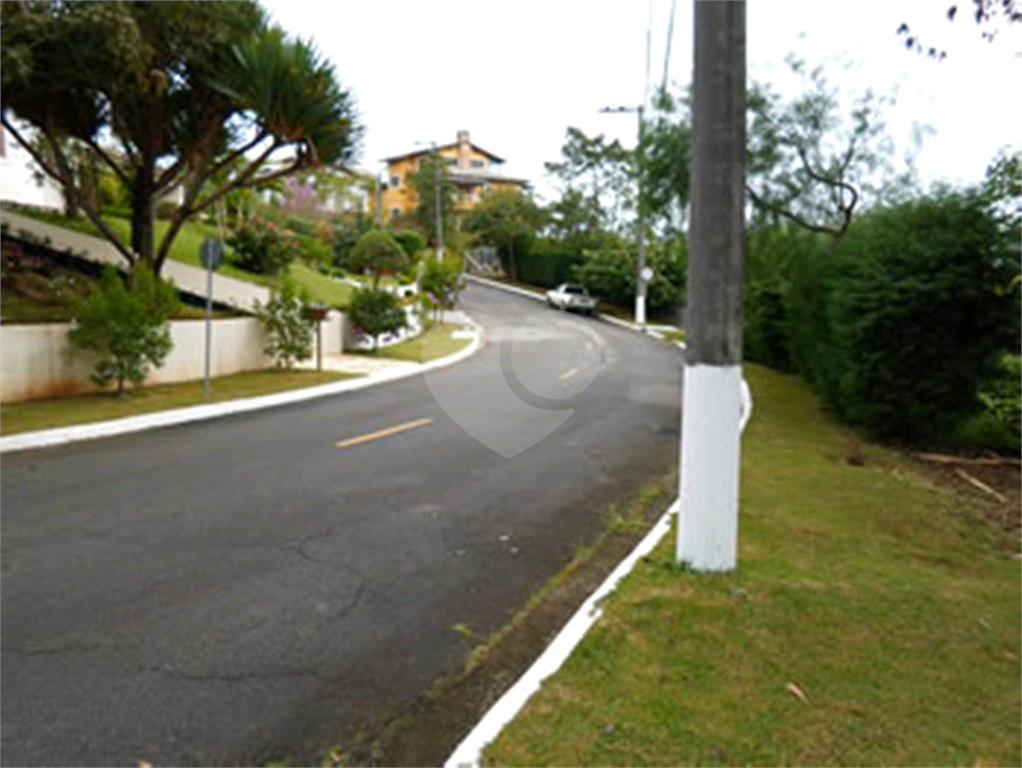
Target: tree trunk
point(143, 232)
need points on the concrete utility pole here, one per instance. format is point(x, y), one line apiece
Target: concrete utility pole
point(710, 441)
point(439, 211)
point(640, 261)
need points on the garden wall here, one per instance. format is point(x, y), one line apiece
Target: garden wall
point(38, 361)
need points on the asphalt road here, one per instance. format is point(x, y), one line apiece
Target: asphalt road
point(229, 591)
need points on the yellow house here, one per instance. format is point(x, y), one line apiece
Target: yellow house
point(471, 169)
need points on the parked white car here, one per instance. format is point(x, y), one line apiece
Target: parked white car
point(571, 296)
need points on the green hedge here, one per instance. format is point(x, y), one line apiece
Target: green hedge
point(899, 325)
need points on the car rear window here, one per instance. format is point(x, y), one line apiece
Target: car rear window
point(574, 289)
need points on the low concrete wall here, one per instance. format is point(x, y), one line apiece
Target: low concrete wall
point(38, 360)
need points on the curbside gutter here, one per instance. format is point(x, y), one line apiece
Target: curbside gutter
point(469, 753)
point(61, 435)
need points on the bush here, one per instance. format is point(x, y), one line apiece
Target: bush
point(375, 312)
point(609, 273)
point(999, 424)
point(902, 323)
point(126, 327)
point(347, 231)
point(411, 242)
point(377, 252)
point(442, 282)
point(288, 332)
point(262, 247)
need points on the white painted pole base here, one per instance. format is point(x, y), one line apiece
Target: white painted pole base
point(710, 458)
point(640, 310)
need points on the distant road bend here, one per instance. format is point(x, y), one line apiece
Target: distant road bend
point(261, 585)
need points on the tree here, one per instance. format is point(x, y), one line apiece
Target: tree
point(192, 95)
point(376, 312)
point(988, 14)
point(377, 252)
point(600, 171)
point(666, 150)
point(411, 242)
point(126, 326)
point(810, 163)
point(432, 172)
point(502, 219)
point(288, 332)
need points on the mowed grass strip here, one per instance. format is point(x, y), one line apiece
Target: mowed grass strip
point(102, 406)
point(437, 342)
point(874, 619)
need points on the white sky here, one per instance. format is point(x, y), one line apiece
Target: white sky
point(517, 74)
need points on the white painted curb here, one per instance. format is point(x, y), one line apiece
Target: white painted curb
point(61, 435)
point(468, 754)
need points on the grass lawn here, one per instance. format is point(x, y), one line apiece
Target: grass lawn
point(186, 249)
point(673, 335)
point(81, 409)
point(874, 619)
point(437, 342)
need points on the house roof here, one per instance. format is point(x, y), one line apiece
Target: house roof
point(475, 179)
point(453, 144)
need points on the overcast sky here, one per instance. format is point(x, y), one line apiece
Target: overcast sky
point(517, 74)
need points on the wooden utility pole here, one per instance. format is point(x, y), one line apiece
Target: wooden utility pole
point(712, 399)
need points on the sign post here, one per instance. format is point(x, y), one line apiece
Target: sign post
point(211, 254)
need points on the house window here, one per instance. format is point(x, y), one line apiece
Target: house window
point(478, 164)
point(395, 181)
point(452, 161)
point(394, 212)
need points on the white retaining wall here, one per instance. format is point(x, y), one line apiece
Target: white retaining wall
point(38, 360)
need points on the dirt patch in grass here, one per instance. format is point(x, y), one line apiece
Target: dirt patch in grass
point(427, 731)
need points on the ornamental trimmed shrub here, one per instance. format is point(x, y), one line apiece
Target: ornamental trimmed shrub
point(375, 312)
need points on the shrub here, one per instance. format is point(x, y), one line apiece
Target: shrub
point(377, 252)
point(262, 247)
point(288, 332)
point(999, 424)
point(126, 327)
point(411, 242)
point(374, 312)
point(904, 322)
point(346, 232)
point(442, 283)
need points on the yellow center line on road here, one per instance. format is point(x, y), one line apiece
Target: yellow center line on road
point(568, 374)
point(383, 433)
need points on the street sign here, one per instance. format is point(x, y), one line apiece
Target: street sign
point(211, 253)
point(647, 274)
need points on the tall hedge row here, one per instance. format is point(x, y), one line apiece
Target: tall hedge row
point(899, 323)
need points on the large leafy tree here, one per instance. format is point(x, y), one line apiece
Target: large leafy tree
point(201, 96)
point(505, 219)
point(602, 172)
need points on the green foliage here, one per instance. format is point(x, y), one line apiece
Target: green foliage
point(126, 327)
point(262, 247)
point(609, 272)
point(999, 424)
point(899, 324)
point(167, 94)
point(411, 242)
point(346, 232)
point(374, 312)
point(442, 282)
point(288, 332)
point(377, 252)
point(547, 261)
point(506, 219)
point(432, 173)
